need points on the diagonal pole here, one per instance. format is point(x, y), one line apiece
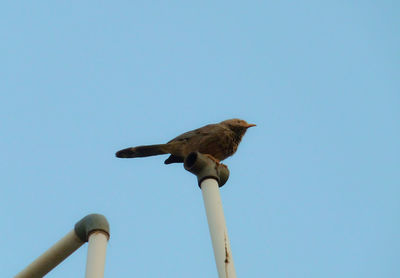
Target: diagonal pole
point(52, 257)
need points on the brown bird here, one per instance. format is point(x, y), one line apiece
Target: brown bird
point(216, 140)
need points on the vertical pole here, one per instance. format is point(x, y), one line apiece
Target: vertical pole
point(96, 256)
point(217, 227)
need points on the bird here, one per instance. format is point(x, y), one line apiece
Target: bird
point(217, 141)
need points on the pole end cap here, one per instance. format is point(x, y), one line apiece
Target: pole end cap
point(91, 223)
point(204, 168)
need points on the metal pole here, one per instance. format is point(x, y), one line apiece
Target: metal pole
point(211, 176)
point(217, 227)
point(96, 256)
point(52, 257)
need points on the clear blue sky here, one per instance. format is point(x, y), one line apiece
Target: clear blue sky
point(314, 188)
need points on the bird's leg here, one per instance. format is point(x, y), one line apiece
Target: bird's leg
point(212, 158)
point(217, 162)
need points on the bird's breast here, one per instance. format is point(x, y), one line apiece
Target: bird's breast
point(220, 147)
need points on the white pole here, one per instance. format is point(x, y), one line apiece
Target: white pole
point(52, 257)
point(96, 256)
point(217, 226)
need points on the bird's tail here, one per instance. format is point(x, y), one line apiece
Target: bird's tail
point(141, 151)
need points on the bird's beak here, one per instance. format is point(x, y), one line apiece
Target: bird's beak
point(250, 125)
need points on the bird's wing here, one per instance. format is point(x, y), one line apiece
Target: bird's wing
point(205, 130)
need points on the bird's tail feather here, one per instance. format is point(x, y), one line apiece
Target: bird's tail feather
point(142, 151)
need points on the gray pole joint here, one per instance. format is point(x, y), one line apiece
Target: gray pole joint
point(91, 223)
point(205, 168)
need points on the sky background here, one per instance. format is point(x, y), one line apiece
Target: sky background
point(314, 189)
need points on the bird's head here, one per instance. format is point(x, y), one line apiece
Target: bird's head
point(237, 125)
